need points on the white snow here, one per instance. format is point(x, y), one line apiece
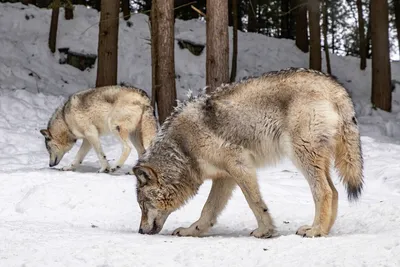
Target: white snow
point(54, 218)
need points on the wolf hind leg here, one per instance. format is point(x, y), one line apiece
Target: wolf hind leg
point(136, 140)
point(314, 163)
point(220, 193)
point(123, 122)
point(123, 135)
point(335, 196)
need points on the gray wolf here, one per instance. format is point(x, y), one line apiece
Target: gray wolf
point(225, 136)
point(125, 112)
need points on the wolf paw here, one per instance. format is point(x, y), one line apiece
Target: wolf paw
point(309, 231)
point(187, 231)
point(104, 170)
point(68, 168)
point(115, 168)
point(130, 173)
point(262, 232)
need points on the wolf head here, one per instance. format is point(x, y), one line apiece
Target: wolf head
point(154, 200)
point(57, 145)
point(160, 191)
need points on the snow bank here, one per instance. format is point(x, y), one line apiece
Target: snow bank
point(26, 62)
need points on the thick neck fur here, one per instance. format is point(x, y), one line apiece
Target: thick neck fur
point(59, 129)
point(174, 169)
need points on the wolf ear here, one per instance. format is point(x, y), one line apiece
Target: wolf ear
point(144, 174)
point(45, 133)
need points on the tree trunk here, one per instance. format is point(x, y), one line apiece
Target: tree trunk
point(79, 2)
point(332, 32)
point(292, 19)
point(28, 2)
point(230, 12)
point(381, 95)
point(234, 40)
point(285, 19)
point(325, 30)
point(361, 32)
point(164, 64)
point(97, 4)
point(396, 4)
point(154, 55)
point(107, 64)
point(69, 11)
point(252, 15)
point(301, 25)
point(368, 39)
point(54, 25)
point(217, 59)
point(239, 16)
point(43, 3)
point(126, 11)
point(315, 34)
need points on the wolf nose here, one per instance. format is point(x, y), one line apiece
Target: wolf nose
point(141, 231)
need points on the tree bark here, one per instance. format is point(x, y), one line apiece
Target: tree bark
point(69, 11)
point(301, 25)
point(28, 2)
point(107, 64)
point(396, 4)
point(217, 58)
point(361, 32)
point(239, 15)
point(79, 2)
point(325, 30)
point(368, 39)
point(164, 64)
point(154, 55)
point(54, 25)
point(292, 19)
point(285, 19)
point(252, 16)
point(381, 95)
point(234, 40)
point(315, 34)
point(97, 4)
point(332, 32)
point(126, 11)
point(43, 3)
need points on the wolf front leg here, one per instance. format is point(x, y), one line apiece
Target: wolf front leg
point(246, 178)
point(94, 140)
point(83, 150)
point(220, 193)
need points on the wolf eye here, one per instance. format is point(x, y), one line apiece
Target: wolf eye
point(47, 146)
point(143, 206)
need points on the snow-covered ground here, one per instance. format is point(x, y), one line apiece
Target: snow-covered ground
point(54, 218)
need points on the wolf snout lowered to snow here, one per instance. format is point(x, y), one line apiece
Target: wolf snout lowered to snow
point(301, 114)
point(125, 112)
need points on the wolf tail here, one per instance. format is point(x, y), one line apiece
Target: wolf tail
point(349, 160)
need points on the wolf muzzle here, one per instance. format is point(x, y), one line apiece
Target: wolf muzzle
point(154, 230)
point(54, 163)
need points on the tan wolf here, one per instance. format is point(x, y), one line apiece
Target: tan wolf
point(298, 113)
point(125, 112)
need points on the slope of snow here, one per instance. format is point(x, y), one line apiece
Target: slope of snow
point(54, 218)
point(26, 62)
